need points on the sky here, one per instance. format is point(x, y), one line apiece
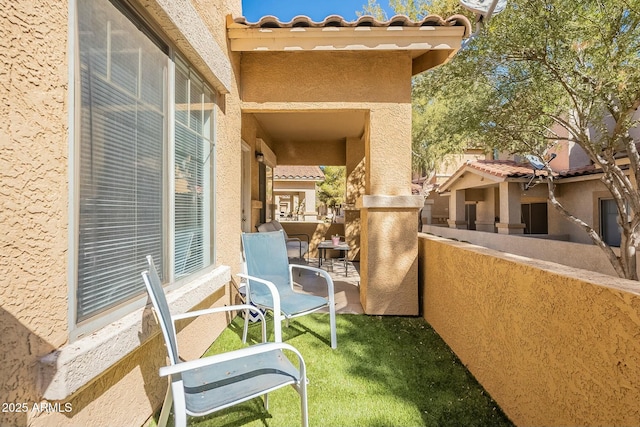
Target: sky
point(317, 10)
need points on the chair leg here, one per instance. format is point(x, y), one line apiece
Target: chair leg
point(166, 408)
point(246, 327)
point(304, 409)
point(179, 405)
point(332, 321)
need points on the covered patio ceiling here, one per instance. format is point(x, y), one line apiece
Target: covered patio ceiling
point(316, 137)
point(312, 126)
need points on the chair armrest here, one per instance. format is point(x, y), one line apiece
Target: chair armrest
point(299, 234)
point(276, 302)
point(327, 278)
point(231, 355)
point(296, 239)
point(226, 308)
point(197, 313)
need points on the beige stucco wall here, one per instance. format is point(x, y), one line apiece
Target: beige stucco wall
point(552, 345)
point(34, 165)
point(299, 191)
point(326, 77)
point(391, 266)
point(315, 81)
point(326, 153)
point(253, 134)
point(547, 248)
point(355, 189)
point(33, 213)
point(581, 200)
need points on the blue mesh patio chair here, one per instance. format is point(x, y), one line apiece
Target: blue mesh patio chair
point(200, 387)
point(267, 266)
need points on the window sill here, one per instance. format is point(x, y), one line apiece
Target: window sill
point(75, 365)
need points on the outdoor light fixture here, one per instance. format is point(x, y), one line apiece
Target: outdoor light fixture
point(259, 157)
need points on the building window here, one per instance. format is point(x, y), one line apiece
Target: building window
point(193, 170)
point(609, 228)
point(140, 109)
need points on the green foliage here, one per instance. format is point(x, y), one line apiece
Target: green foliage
point(373, 8)
point(429, 109)
point(331, 191)
point(414, 9)
point(542, 61)
point(544, 72)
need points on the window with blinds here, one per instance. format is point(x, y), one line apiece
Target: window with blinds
point(123, 215)
point(193, 152)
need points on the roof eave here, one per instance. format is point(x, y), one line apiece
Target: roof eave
point(415, 39)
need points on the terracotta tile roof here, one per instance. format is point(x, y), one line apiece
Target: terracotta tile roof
point(503, 168)
point(363, 21)
point(298, 172)
point(511, 169)
point(585, 170)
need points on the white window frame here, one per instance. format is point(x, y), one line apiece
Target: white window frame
point(78, 330)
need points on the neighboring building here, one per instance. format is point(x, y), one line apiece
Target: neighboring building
point(436, 207)
point(503, 196)
point(294, 189)
point(506, 197)
point(152, 127)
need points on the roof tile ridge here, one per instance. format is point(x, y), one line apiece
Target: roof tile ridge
point(335, 20)
point(462, 21)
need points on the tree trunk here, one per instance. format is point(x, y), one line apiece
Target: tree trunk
point(625, 264)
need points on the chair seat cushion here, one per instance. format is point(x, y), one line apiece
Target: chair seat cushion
point(223, 384)
point(291, 303)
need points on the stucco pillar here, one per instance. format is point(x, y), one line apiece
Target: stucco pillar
point(486, 211)
point(310, 203)
point(510, 209)
point(456, 209)
point(355, 170)
point(389, 216)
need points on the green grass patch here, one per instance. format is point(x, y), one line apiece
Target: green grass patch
point(386, 371)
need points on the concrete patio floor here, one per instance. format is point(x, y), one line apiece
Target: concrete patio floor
point(346, 287)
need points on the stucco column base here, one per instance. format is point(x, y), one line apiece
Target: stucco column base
point(488, 226)
point(457, 224)
point(510, 228)
point(389, 255)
